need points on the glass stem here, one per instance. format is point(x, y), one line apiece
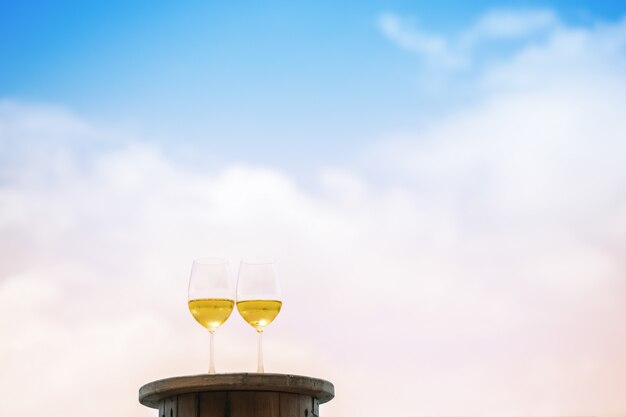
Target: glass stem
point(260, 368)
point(211, 354)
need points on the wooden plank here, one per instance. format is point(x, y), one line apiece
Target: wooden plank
point(162, 408)
point(187, 405)
point(254, 404)
point(212, 404)
point(171, 405)
point(295, 405)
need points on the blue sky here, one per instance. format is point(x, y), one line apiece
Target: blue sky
point(263, 82)
point(458, 167)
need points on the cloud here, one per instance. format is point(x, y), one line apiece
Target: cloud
point(511, 24)
point(478, 264)
point(430, 46)
point(458, 52)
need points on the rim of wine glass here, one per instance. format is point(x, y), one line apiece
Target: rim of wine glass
point(258, 260)
point(210, 260)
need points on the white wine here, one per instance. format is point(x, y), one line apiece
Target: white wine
point(211, 312)
point(259, 313)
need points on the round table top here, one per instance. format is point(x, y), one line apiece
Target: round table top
point(152, 393)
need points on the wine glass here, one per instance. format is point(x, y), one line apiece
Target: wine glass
point(210, 296)
point(258, 297)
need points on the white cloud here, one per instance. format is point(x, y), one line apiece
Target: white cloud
point(433, 47)
point(511, 24)
point(454, 52)
point(485, 277)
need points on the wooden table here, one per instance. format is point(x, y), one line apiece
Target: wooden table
point(237, 395)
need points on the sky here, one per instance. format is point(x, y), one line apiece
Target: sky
point(443, 187)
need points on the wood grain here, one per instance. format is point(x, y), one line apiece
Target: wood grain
point(237, 395)
point(213, 404)
point(153, 393)
point(171, 406)
point(295, 405)
point(187, 405)
point(162, 408)
point(316, 407)
point(254, 404)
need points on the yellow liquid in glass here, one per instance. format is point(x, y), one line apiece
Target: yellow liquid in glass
point(211, 312)
point(259, 313)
